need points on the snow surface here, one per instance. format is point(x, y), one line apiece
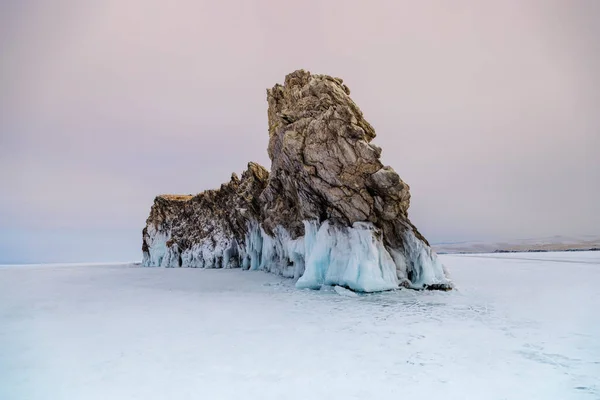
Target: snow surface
point(519, 326)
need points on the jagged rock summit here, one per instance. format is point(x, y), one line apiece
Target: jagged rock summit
point(328, 213)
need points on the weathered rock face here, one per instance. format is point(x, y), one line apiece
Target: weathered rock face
point(203, 230)
point(329, 213)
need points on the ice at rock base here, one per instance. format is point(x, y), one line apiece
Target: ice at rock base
point(350, 257)
point(327, 255)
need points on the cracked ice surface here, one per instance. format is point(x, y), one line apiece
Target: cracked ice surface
point(511, 330)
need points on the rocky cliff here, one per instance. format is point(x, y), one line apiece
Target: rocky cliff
point(328, 213)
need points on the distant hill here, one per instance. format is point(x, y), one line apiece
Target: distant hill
point(553, 243)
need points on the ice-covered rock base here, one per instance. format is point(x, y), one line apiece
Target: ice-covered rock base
point(327, 255)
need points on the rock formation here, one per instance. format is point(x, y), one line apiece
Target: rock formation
point(328, 213)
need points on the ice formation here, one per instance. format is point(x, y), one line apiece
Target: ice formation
point(328, 214)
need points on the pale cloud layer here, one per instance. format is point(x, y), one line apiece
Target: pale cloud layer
point(488, 109)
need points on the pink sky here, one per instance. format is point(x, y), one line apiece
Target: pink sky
point(488, 109)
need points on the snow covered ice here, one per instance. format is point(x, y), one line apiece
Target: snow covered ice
point(512, 330)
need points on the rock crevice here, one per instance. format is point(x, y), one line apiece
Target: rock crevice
point(328, 213)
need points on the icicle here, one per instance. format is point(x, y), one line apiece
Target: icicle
point(352, 257)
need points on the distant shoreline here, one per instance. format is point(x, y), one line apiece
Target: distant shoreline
point(520, 251)
point(529, 245)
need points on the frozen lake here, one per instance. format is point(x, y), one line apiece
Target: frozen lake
point(519, 326)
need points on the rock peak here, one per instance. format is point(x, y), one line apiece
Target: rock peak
point(326, 182)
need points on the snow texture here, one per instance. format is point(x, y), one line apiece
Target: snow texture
point(352, 257)
point(511, 330)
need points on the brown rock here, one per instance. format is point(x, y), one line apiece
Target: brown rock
point(323, 169)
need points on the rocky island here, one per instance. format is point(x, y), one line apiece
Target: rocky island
point(328, 212)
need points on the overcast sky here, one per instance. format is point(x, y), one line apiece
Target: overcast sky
point(489, 110)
